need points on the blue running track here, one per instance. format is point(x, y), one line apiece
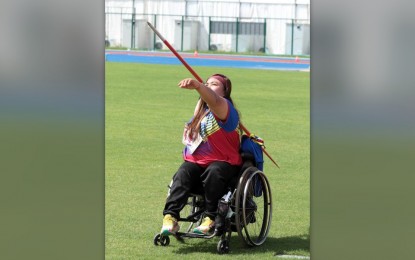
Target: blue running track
point(214, 60)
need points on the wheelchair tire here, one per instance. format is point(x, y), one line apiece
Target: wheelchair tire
point(253, 207)
point(223, 247)
point(160, 240)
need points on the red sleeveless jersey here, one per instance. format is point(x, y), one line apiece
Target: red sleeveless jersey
point(218, 141)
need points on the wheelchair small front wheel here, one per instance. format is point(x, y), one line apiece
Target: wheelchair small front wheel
point(223, 247)
point(160, 240)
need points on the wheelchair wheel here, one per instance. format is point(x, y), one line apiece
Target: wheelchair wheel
point(253, 207)
point(161, 240)
point(223, 247)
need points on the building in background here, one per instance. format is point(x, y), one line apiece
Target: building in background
point(280, 27)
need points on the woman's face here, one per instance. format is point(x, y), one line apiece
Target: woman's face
point(216, 86)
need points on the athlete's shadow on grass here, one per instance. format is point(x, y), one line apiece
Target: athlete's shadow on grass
point(279, 246)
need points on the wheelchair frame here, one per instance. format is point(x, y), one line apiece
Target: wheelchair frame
point(246, 208)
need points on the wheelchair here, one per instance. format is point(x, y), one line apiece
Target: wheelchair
point(245, 209)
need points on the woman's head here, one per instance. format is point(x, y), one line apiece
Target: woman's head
point(220, 84)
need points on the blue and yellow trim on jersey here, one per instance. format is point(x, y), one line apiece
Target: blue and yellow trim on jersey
point(208, 126)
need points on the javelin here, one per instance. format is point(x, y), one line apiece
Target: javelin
point(175, 53)
point(199, 79)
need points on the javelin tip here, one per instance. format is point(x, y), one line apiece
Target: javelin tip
point(155, 30)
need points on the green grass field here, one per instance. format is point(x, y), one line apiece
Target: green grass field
point(144, 116)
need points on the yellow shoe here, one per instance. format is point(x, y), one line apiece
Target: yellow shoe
point(170, 225)
point(205, 227)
